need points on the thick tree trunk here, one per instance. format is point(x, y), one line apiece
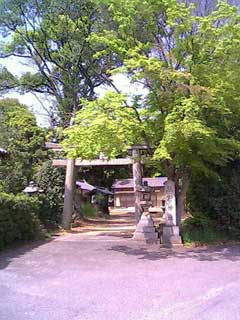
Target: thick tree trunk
point(69, 194)
point(102, 206)
point(181, 195)
point(105, 208)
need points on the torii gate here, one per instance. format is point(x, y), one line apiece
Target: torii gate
point(71, 165)
point(170, 231)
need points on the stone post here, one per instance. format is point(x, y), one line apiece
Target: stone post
point(69, 194)
point(171, 236)
point(170, 204)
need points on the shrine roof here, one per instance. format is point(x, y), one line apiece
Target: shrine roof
point(128, 183)
point(84, 185)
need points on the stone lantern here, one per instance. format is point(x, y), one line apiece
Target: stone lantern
point(3, 153)
point(145, 196)
point(145, 230)
point(32, 189)
point(136, 152)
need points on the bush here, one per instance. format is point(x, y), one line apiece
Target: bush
point(88, 210)
point(200, 230)
point(217, 197)
point(18, 218)
point(51, 180)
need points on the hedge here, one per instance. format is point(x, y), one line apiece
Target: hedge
point(18, 218)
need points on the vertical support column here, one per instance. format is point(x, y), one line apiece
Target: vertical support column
point(171, 236)
point(68, 194)
point(137, 183)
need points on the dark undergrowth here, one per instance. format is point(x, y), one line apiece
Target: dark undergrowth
point(200, 230)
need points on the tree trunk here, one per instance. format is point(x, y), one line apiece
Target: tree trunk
point(105, 206)
point(69, 194)
point(102, 206)
point(181, 194)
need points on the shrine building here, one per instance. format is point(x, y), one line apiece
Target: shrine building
point(124, 193)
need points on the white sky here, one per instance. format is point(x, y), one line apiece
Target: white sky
point(17, 68)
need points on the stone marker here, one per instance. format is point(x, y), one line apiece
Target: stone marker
point(171, 236)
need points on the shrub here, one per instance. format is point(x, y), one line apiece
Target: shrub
point(51, 180)
point(217, 197)
point(88, 210)
point(199, 229)
point(18, 218)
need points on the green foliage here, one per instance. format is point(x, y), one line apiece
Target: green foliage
point(201, 230)
point(51, 181)
point(188, 127)
point(88, 210)
point(184, 112)
point(18, 218)
point(217, 197)
point(24, 141)
point(215, 207)
point(105, 125)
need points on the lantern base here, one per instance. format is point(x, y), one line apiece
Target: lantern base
point(145, 230)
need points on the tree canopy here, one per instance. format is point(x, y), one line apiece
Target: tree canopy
point(188, 64)
point(179, 60)
point(53, 38)
point(24, 141)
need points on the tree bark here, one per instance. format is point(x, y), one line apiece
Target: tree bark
point(69, 194)
point(105, 206)
point(181, 194)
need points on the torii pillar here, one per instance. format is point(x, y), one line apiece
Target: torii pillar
point(137, 183)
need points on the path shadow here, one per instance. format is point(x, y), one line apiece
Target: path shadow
point(217, 253)
point(119, 234)
point(19, 249)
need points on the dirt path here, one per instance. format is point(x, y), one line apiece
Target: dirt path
point(119, 224)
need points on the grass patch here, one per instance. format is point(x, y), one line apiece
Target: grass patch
point(88, 210)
